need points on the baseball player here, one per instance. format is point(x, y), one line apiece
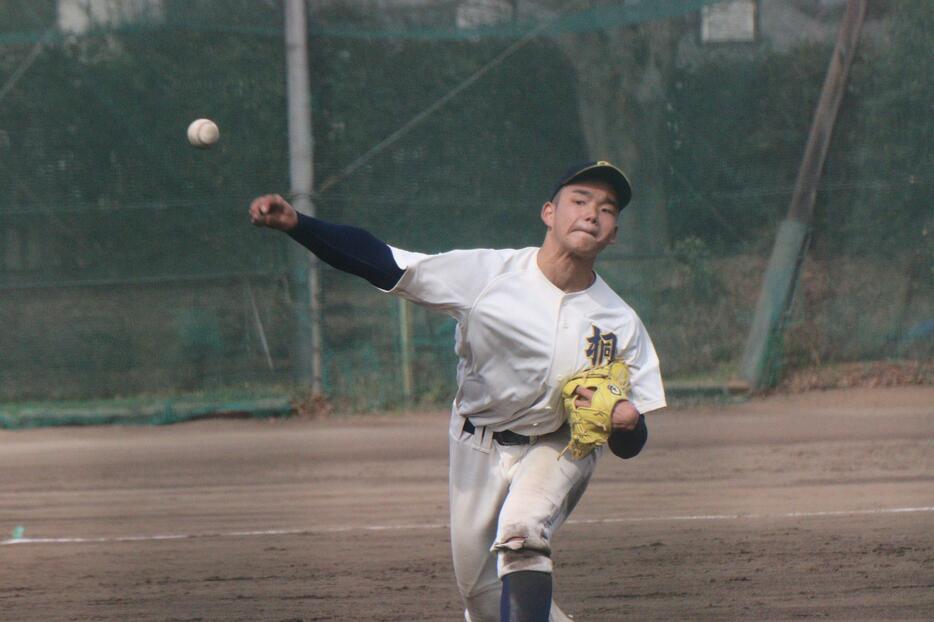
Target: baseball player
point(527, 321)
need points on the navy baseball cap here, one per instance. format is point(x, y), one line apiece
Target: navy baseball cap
point(598, 169)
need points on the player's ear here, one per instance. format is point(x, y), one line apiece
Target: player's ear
point(548, 214)
point(615, 234)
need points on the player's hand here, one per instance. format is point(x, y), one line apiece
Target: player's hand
point(271, 210)
point(625, 416)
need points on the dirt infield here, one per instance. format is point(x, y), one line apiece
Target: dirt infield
point(818, 505)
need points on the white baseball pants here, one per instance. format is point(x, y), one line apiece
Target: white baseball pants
point(507, 502)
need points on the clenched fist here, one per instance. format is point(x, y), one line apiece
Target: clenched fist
point(271, 210)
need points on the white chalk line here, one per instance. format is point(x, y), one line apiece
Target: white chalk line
point(755, 516)
point(405, 527)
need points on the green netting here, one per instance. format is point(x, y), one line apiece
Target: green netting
point(432, 21)
point(128, 267)
point(139, 411)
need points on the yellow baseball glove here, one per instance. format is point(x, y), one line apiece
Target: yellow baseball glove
point(591, 425)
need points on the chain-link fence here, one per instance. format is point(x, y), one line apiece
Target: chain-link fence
point(128, 266)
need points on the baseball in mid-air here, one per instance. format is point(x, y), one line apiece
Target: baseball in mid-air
point(203, 133)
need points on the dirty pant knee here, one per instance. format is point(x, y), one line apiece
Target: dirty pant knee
point(518, 553)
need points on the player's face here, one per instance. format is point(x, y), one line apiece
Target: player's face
point(582, 220)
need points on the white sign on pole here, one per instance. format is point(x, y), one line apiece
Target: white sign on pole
point(732, 20)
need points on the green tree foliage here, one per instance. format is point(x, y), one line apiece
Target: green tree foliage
point(97, 180)
point(27, 15)
point(884, 198)
point(98, 126)
point(473, 173)
point(739, 128)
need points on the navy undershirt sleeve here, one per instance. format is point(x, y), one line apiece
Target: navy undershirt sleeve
point(628, 444)
point(349, 249)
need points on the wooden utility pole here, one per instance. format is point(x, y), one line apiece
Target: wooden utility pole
point(781, 276)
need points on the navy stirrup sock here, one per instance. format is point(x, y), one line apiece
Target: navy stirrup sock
point(349, 249)
point(526, 597)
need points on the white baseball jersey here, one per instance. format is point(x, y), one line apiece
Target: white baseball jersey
point(519, 337)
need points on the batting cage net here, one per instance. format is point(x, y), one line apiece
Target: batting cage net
point(128, 266)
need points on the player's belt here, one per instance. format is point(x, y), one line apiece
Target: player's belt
point(505, 437)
